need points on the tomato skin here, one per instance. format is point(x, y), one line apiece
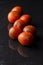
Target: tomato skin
point(12, 16)
point(26, 18)
point(25, 38)
point(17, 9)
point(13, 33)
point(29, 28)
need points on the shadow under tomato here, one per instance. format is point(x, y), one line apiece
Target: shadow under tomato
point(23, 50)
point(37, 43)
point(15, 46)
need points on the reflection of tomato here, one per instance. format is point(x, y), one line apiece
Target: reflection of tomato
point(13, 33)
point(25, 38)
point(12, 16)
point(17, 9)
point(23, 51)
point(29, 28)
point(26, 18)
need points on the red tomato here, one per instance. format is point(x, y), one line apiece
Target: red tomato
point(17, 9)
point(18, 24)
point(26, 18)
point(13, 33)
point(12, 16)
point(29, 28)
point(25, 38)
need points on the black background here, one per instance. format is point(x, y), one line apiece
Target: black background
point(20, 55)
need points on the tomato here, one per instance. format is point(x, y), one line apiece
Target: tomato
point(13, 33)
point(26, 18)
point(12, 16)
point(18, 24)
point(29, 28)
point(17, 9)
point(25, 38)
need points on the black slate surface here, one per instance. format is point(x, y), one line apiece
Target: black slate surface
point(11, 52)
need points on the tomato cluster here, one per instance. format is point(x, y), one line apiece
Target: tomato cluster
point(20, 29)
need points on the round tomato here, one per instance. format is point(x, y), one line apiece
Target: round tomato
point(25, 38)
point(18, 24)
point(17, 9)
point(12, 16)
point(26, 18)
point(13, 33)
point(29, 28)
